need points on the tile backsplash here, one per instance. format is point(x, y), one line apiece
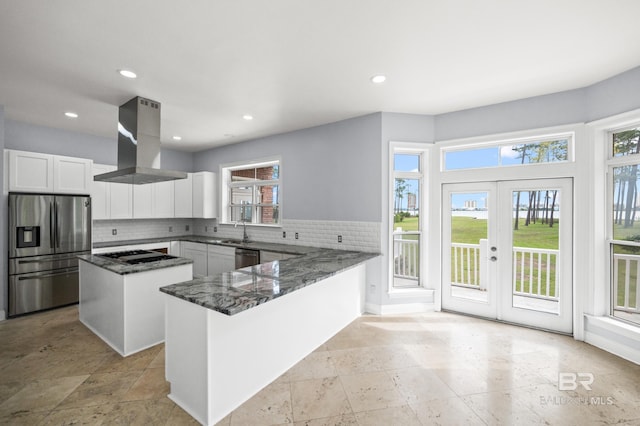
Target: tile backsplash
point(362, 236)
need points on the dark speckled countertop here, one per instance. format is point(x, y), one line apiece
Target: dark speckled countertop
point(125, 269)
point(242, 289)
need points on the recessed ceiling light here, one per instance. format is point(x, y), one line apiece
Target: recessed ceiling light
point(127, 73)
point(248, 117)
point(177, 138)
point(378, 79)
point(71, 114)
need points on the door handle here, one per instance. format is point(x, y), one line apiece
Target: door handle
point(493, 258)
point(52, 242)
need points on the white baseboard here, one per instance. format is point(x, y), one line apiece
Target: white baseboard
point(613, 336)
point(400, 308)
point(3, 315)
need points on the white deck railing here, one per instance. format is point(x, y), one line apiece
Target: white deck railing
point(534, 270)
point(626, 278)
point(406, 255)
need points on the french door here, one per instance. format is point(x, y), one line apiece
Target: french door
point(507, 251)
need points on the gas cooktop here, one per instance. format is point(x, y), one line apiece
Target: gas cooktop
point(134, 257)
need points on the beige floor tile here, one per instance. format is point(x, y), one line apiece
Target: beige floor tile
point(150, 385)
point(319, 398)
point(158, 361)
point(371, 391)
point(446, 412)
point(41, 395)
point(345, 420)
point(101, 388)
point(417, 384)
point(138, 361)
point(140, 413)
point(23, 419)
point(78, 416)
point(270, 406)
point(316, 365)
point(502, 408)
point(403, 415)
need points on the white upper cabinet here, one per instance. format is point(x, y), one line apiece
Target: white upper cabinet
point(204, 195)
point(184, 196)
point(101, 193)
point(36, 172)
point(72, 175)
point(143, 201)
point(121, 201)
point(163, 199)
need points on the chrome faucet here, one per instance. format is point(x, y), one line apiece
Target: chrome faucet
point(245, 237)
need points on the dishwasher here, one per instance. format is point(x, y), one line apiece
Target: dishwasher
point(247, 257)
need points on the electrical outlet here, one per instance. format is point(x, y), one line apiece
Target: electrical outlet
point(284, 234)
point(296, 235)
point(339, 238)
point(206, 229)
point(114, 232)
point(171, 229)
point(215, 229)
point(186, 228)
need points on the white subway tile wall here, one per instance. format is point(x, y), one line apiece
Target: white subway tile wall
point(361, 236)
point(136, 229)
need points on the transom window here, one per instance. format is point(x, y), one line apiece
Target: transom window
point(252, 193)
point(550, 149)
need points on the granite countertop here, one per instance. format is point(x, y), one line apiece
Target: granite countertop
point(242, 289)
point(124, 268)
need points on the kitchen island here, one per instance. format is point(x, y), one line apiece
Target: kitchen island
point(227, 336)
point(121, 303)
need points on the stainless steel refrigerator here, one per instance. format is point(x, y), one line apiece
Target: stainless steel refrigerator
point(46, 233)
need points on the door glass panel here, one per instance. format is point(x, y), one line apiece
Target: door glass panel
point(535, 252)
point(469, 234)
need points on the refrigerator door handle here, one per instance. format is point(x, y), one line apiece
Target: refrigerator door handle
point(51, 227)
point(57, 228)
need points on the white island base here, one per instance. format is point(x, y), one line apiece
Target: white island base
point(126, 311)
point(215, 362)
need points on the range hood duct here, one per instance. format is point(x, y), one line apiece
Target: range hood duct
point(139, 146)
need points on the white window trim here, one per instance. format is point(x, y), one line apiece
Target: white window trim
point(224, 186)
point(599, 300)
point(423, 149)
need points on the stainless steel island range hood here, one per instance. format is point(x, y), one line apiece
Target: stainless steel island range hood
point(139, 145)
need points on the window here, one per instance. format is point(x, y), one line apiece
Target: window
point(407, 221)
point(514, 153)
point(625, 223)
point(253, 193)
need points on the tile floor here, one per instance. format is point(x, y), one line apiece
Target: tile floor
point(426, 369)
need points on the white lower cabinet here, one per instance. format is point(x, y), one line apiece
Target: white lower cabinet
point(198, 253)
point(175, 248)
point(220, 259)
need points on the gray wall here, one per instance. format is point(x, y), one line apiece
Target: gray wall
point(615, 95)
point(329, 172)
point(30, 137)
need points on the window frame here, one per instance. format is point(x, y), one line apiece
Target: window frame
point(613, 162)
point(227, 184)
point(422, 175)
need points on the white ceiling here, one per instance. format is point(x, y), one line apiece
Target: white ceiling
point(297, 63)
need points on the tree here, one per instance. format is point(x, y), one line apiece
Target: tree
point(626, 143)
